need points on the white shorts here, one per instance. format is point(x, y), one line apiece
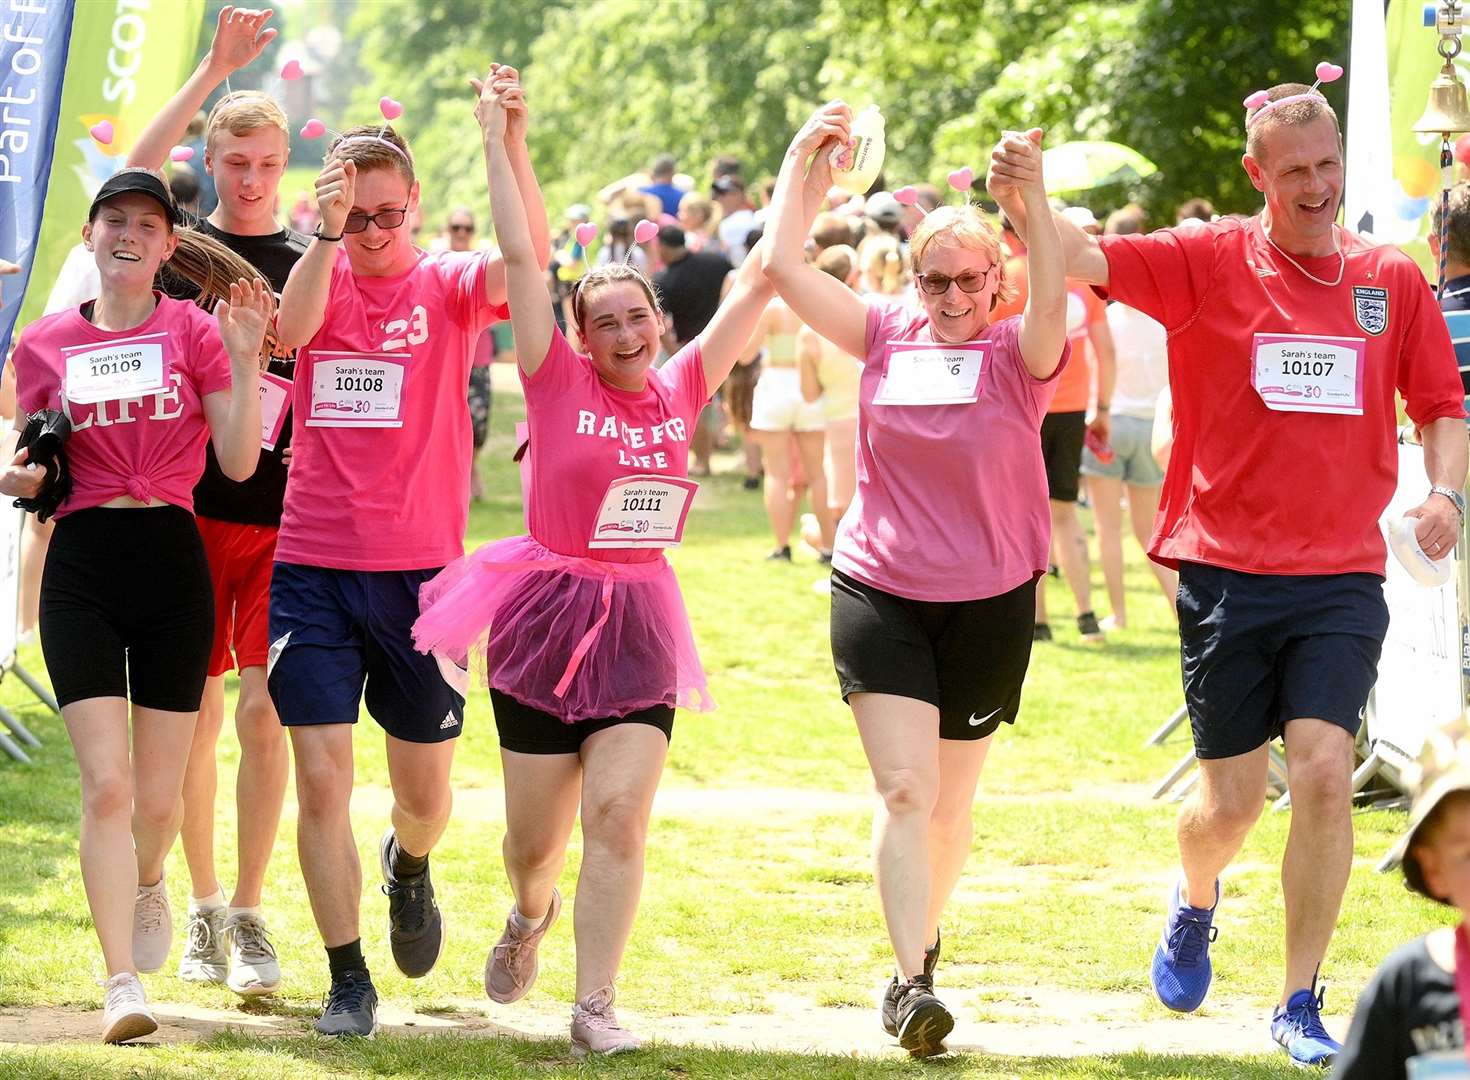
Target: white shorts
point(779, 406)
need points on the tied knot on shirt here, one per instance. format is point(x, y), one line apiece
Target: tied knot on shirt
point(140, 488)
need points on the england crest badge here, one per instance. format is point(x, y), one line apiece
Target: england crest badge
point(1370, 309)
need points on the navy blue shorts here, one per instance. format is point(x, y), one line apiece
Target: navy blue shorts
point(1258, 650)
point(332, 631)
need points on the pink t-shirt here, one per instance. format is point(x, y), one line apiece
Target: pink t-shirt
point(585, 434)
point(391, 494)
point(149, 447)
point(951, 500)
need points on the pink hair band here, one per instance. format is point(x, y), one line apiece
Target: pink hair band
point(1261, 102)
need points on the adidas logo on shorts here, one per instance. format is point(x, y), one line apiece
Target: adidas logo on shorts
point(449, 722)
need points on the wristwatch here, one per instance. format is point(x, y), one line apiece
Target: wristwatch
point(1456, 497)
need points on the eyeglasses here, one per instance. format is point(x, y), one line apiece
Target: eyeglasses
point(936, 284)
point(384, 219)
point(461, 228)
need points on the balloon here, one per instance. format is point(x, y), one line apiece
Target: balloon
point(907, 195)
point(181, 153)
point(644, 231)
point(1410, 208)
point(1417, 177)
point(102, 132)
point(585, 233)
point(313, 129)
point(1256, 100)
point(962, 179)
point(1328, 72)
point(1462, 149)
point(390, 109)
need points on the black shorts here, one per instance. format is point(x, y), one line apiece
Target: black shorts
point(967, 658)
point(127, 608)
point(531, 731)
point(1062, 434)
point(1258, 650)
point(338, 636)
point(479, 399)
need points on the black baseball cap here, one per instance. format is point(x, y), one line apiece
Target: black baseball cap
point(143, 182)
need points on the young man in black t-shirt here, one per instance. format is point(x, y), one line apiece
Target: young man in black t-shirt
point(246, 150)
point(1409, 1022)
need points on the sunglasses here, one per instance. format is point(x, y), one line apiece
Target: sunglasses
point(461, 228)
point(936, 284)
point(384, 219)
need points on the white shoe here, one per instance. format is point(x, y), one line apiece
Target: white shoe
point(204, 959)
point(254, 969)
point(125, 1011)
point(153, 927)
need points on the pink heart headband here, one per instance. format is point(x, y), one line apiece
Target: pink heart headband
point(391, 110)
point(1261, 104)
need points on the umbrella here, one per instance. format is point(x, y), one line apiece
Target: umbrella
point(1080, 166)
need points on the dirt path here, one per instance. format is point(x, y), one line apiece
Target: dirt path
point(1031, 1022)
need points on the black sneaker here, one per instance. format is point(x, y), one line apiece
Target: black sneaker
point(1088, 627)
point(923, 1021)
point(1041, 632)
point(752, 483)
point(350, 1007)
point(890, 996)
point(780, 554)
point(415, 923)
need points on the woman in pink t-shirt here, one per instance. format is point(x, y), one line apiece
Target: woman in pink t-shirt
point(127, 609)
point(585, 638)
point(947, 533)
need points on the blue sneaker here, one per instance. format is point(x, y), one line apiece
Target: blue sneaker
point(1181, 970)
point(1298, 1028)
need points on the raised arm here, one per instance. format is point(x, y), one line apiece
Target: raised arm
point(239, 38)
point(525, 282)
point(518, 119)
point(304, 300)
point(233, 415)
point(728, 336)
point(1082, 256)
point(821, 301)
point(1044, 321)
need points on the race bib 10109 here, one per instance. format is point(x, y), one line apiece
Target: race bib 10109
point(131, 368)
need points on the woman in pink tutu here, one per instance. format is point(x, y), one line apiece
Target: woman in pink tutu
point(585, 639)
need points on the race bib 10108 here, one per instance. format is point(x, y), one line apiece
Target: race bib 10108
point(357, 389)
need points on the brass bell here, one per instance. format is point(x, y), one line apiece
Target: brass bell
point(1447, 111)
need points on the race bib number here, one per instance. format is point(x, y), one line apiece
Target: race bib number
point(920, 373)
point(643, 511)
point(357, 389)
point(119, 369)
point(1308, 373)
point(275, 396)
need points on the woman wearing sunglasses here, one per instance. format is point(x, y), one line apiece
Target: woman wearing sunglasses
point(935, 562)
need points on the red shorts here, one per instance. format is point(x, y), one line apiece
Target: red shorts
point(240, 559)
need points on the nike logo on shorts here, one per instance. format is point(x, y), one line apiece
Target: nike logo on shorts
point(976, 723)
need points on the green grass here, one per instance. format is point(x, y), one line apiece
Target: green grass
point(758, 880)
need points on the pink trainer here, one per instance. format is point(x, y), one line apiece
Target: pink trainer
point(511, 967)
point(595, 1027)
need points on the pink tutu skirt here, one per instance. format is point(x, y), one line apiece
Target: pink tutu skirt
point(578, 638)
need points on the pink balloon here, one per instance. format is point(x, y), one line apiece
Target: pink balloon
point(313, 129)
point(292, 71)
point(644, 231)
point(1462, 149)
point(1256, 100)
point(962, 179)
point(908, 195)
point(1327, 72)
point(390, 109)
point(102, 132)
point(181, 153)
point(585, 233)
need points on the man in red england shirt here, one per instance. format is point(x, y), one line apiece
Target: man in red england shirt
point(1288, 336)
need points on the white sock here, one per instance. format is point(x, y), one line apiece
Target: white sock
point(233, 911)
point(524, 923)
point(213, 902)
